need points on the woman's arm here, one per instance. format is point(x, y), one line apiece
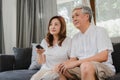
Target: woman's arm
point(41, 57)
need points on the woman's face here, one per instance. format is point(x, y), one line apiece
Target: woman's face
point(54, 27)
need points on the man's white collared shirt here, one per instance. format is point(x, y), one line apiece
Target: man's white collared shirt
point(93, 41)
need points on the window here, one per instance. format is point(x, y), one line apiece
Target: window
point(108, 16)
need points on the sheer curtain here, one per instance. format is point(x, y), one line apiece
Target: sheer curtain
point(32, 20)
point(109, 17)
point(2, 50)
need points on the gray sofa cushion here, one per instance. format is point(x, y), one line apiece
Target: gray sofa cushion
point(6, 62)
point(22, 57)
point(17, 75)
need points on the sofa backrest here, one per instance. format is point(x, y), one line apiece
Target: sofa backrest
point(23, 57)
point(116, 56)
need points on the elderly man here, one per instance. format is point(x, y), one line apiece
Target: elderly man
point(91, 49)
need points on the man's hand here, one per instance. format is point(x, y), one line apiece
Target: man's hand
point(68, 65)
point(56, 68)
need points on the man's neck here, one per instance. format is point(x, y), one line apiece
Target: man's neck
point(84, 28)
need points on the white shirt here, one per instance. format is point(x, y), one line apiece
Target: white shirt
point(56, 54)
point(93, 41)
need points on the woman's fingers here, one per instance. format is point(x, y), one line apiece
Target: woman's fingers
point(40, 51)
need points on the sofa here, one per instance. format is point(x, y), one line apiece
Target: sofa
point(16, 67)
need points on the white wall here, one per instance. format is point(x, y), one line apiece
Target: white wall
point(9, 23)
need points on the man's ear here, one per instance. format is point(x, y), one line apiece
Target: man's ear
point(87, 15)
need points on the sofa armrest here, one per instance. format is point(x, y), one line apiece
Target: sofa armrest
point(6, 62)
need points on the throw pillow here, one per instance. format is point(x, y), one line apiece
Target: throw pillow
point(22, 57)
point(34, 64)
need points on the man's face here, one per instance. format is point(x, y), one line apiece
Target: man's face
point(78, 18)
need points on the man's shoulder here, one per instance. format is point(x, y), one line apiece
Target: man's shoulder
point(101, 31)
point(99, 28)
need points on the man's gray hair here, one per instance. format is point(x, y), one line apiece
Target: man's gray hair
point(85, 10)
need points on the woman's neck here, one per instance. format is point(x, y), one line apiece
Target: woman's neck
point(55, 41)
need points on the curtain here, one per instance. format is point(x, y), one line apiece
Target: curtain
point(2, 50)
point(32, 20)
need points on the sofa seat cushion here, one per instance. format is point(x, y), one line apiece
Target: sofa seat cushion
point(17, 75)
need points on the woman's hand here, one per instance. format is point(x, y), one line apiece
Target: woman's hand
point(56, 68)
point(40, 51)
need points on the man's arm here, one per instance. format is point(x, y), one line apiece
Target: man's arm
point(73, 62)
point(100, 57)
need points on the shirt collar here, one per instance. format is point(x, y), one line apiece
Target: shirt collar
point(91, 26)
